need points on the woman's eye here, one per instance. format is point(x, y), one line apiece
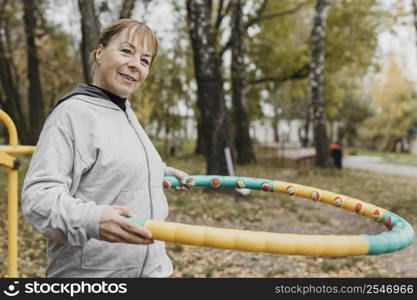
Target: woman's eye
point(145, 61)
point(128, 51)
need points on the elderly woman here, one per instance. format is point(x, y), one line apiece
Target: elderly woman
point(94, 164)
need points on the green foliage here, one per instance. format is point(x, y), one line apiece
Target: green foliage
point(170, 85)
point(351, 36)
point(293, 99)
point(351, 42)
point(395, 109)
point(353, 110)
point(280, 47)
point(59, 66)
point(276, 47)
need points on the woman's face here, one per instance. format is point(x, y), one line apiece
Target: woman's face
point(123, 64)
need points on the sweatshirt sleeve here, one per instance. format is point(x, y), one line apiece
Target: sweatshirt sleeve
point(47, 201)
point(168, 171)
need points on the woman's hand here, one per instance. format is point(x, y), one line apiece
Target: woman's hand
point(114, 228)
point(181, 177)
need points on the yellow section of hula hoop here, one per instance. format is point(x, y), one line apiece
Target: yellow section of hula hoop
point(347, 203)
point(245, 240)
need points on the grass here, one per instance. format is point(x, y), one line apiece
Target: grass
point(276, 272)
point(328, 266)
point(176, 247)
point(259, 211)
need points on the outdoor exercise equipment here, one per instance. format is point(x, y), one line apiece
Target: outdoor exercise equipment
point(12, 164)
point(400, 235)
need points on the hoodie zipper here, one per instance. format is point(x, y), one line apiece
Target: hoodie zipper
point(149, 189)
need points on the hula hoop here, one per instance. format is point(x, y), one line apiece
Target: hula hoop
point(400, 235)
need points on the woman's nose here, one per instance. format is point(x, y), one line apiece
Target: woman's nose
point(133, 64)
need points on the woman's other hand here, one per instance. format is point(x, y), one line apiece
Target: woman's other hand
point(117, 229)
point(181, 175)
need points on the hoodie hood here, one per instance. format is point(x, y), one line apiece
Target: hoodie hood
point(95, 92)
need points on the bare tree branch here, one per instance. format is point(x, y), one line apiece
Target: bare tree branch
point(222, 13)
point(259, 17)
point(219, 14)
point(128, 6)
point(258, 13)
point(301, 73)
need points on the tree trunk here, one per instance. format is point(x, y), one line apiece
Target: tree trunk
point(90, 29)
point(275, 124)
point(209, 86)
point(200, 146)
point(306, 141)
point(243, 142)
point(127, 8)
point(415, 14)
point(9, 97)
point(35, 94)
point(316, 83)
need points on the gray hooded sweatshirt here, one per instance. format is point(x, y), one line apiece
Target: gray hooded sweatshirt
point(90, 154)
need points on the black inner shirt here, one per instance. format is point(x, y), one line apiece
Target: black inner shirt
point(119, 101)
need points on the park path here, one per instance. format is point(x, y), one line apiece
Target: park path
point(369, 163)
point(379, 164)
point(403, 263)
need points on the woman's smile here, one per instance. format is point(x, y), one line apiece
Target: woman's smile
point(128, 78)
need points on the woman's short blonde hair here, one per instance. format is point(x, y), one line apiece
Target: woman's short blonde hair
point(135, 29)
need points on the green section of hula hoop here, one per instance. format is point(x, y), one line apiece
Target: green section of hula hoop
point(398, 238)
point(401, 236)
point(138, 221)
point(225, 181)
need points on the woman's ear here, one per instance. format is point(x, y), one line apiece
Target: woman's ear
point(99, 52)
